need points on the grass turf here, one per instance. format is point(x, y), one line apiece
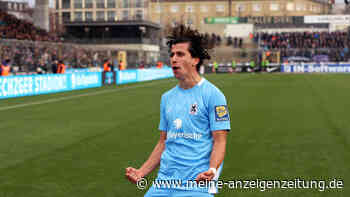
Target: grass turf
point(283, 127)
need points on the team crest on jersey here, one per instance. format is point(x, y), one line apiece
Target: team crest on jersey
point(194, 109)
point(221, 113)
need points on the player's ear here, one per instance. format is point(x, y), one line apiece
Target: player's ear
point(195, 61)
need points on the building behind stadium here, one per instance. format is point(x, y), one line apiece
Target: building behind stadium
point(19, 9)
point(136, 25)
point(201, 14)
point(215, 16)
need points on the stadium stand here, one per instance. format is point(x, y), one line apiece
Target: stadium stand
point(332, 46)
point(13, 28)
point(34, 50)
point(31, 49)
point(27, 56)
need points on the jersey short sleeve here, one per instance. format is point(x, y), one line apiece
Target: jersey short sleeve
point(163, 125)
point(219, 116)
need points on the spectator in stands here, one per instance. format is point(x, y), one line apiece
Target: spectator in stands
point(27, 55)
point(240, 43)
point(159, 64)
point(252, 65)
point(234, 65)
point(95, 59)
point(107, 65)
point(54, 66)
point(235, 42)
point(215, 67)
point(218, 40)
point(22, 30)
point(308, 44)
point(41, 69)
point(142, 65)
point(5, 68)
point(111, 65)
point(122, 65)
point(229, 41)
point(61, 67)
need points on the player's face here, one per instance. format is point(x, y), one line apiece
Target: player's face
point(182, 62)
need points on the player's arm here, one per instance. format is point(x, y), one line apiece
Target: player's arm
point(217, 155)
point(219, 148)
point(154, 159)
point(219, 125)
point(151, 163)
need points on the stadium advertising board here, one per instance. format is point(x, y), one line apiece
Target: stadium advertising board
point(132, 76)
point(73, 70)
point(224, 69)
point(81, 70)
point(85, 80)
point(127, 76)
point(154, 73)
point(108, 78)
point(297, 59)
point(331, 19)
point(315, 68)
point(321, 58)
point(27, 85)
point(221, 20)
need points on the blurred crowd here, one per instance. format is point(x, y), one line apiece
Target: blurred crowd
point(28, 49)
point(305, 40)
point(235, 42)
point(335, 45)
point(30, 56)
point(13, 28)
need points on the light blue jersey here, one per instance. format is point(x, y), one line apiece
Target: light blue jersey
point(189, 117)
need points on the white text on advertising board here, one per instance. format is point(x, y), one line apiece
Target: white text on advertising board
point(318, 68)
point(16, 86)
point(81, 79)
point(127, 76)
point(50, 83)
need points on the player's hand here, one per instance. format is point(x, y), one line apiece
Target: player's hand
point(132, 174)
point(205, 176)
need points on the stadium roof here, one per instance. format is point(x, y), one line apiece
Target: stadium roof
point(116, 23)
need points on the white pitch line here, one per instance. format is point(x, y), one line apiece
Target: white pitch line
point(78, 96)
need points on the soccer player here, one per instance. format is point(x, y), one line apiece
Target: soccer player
point(194, 122)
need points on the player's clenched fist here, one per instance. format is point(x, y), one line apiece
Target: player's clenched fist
point(205, 176)
point(132, 174)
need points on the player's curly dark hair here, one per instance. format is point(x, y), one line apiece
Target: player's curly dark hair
point(198, 46)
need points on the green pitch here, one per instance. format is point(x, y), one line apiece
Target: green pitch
point(77, 144)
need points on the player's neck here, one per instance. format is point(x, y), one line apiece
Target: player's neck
point(190, 81)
